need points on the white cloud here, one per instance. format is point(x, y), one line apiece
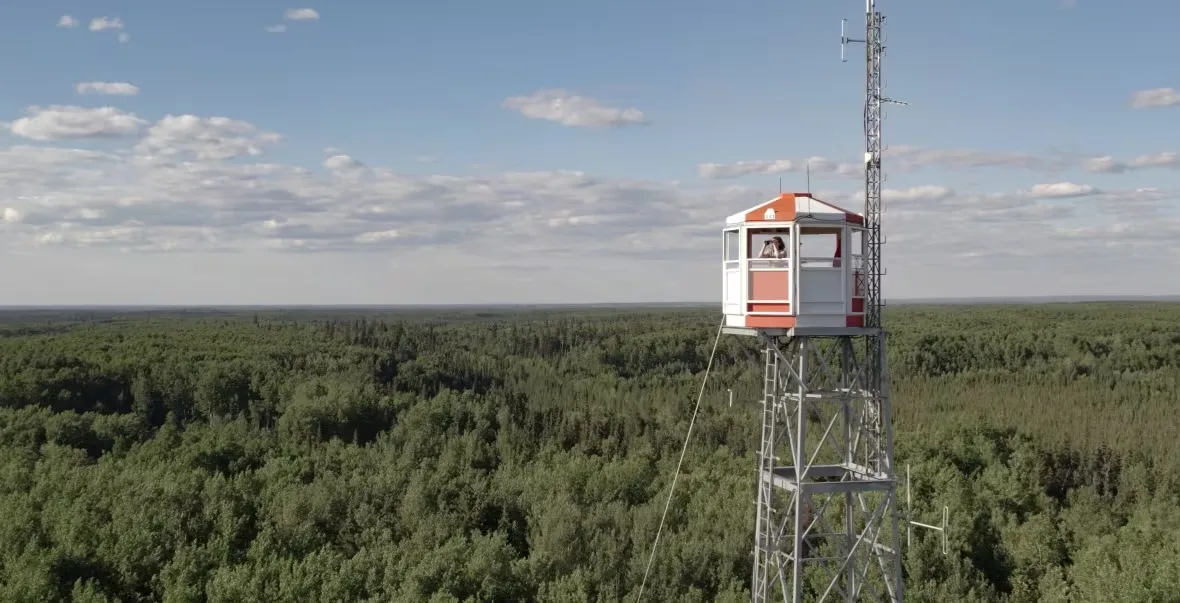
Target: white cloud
point(1110, 165)
point(204, 138)
point(816, 165)
point(341, 162)
point(66, 121)
point(907, 157)
point(719, 171)
point(301, 14)
point(1144, 203)
point(67, 22)
point(900, 158)
point(105, 23)
point(1060, 190)
point(109, 88)
point(1155, 97)
point(201, 184)
point(1120, 239)
point(79, 199)
point(1038, 201)
point(916, 195)
point(138, 201)
point(376, 237)
point(569, 109)
point(293, 14)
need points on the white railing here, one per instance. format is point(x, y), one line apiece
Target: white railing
point(857, 262)
point(769, 264)
point(818, 262)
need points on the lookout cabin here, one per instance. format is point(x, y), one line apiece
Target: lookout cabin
point(793, 262)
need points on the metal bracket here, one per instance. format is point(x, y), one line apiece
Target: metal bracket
point(910, 523)
point(845, 40)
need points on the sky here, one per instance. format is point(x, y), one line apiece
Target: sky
point(531, 151)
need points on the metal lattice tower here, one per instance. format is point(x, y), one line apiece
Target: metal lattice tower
point(827, 520)
point(827, 525)
point(873, 177)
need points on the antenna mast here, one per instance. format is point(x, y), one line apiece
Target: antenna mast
point(874, 99)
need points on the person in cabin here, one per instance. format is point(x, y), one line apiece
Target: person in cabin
point(774, 248)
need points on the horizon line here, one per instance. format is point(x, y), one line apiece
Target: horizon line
point(896, 301)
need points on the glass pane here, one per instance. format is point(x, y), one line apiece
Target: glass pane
point(732, 245)
point(818, 246)
point(856, 250)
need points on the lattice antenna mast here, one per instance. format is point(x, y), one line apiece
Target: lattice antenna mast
point(874, 99)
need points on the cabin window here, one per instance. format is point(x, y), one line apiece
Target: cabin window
point(818, 246)
point(733, 246)
point(760, 238)
point(856, 248)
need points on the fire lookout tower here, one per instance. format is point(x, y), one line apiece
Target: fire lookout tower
point(827, 514)
point(827, 522)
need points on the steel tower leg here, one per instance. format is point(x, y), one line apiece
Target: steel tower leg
point(826, 526)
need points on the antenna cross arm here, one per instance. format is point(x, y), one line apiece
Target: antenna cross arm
point(845, 40)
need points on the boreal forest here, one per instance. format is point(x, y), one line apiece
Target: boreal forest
point(526, 455)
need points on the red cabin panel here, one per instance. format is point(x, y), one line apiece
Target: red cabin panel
point(770, 322)
point(757, 307)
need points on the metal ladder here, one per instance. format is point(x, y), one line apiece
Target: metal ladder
point(764, 548)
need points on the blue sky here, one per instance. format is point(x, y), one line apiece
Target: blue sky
point(390, 83)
